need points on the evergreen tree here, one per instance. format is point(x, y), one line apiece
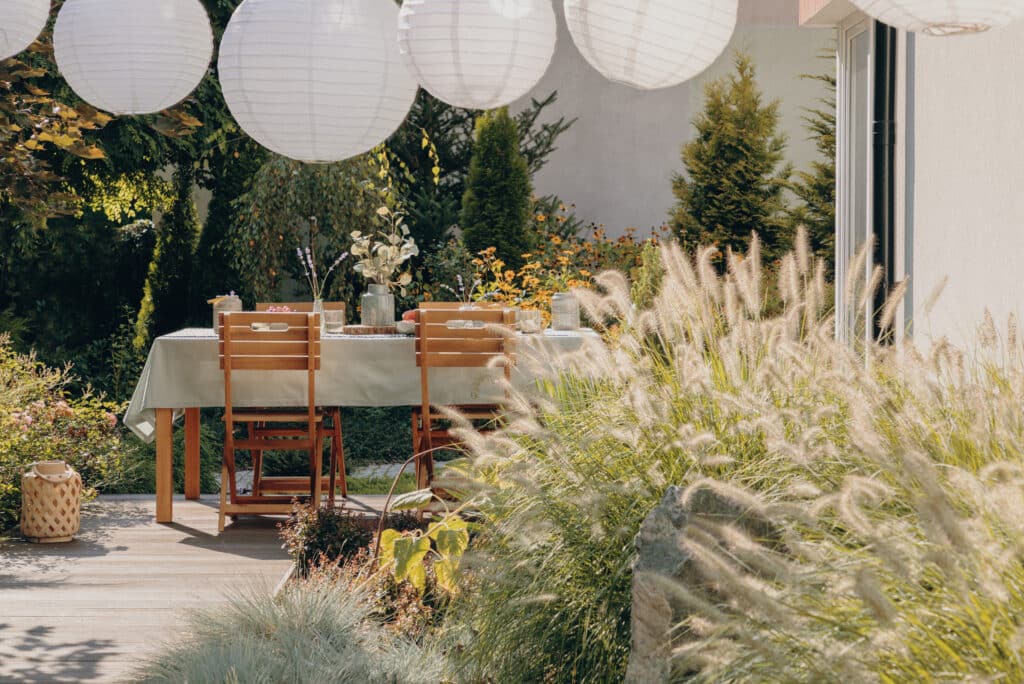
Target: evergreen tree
point(165, 299)
point(496, 204)
point(816, 189)
point(734, 183)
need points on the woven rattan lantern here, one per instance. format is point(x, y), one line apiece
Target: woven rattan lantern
point(943, 17)
point(20, 24)
point(478, 54)
point(315, 80)
point(651, 44)
point(51, 502)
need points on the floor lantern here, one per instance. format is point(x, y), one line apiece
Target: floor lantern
point(132, 56)
point(650, 44)
point(21, 21)
point(943, 17)
point(315, 80)
point(478, 54)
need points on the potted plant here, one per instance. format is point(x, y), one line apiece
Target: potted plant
point(378, 256)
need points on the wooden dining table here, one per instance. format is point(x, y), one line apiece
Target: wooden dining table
point(182, 375)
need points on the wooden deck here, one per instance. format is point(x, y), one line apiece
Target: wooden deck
point(87, 611)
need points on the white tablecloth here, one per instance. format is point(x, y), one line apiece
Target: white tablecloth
point(183, 371)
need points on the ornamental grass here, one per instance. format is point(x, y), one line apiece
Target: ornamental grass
point(892, 473)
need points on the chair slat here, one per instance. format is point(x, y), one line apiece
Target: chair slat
point(270, 348)
point(269, 363)
point(490, 345)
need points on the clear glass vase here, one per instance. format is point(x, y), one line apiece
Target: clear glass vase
point(318, 308)
point(377, 305)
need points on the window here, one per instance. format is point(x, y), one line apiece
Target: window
point(864, 167)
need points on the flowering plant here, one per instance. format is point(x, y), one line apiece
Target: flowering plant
point(382, 252)
point(465, 294)
point(307, 257)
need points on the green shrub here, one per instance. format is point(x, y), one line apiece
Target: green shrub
point(139, 463)
point(40, 421)
point(165, 300)
point(313, 631)
point(496, 205)
point(895, 477)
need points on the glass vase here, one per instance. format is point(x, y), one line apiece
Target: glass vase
point(318, 308)
point(377, 305)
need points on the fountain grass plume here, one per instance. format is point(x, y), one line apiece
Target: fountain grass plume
point(880, 467)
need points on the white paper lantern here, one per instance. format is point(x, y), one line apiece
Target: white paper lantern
point(651, 44)
point(315, 80)
point(478, 54)
point(132, 56)
point(944, 17)
point(21, 21)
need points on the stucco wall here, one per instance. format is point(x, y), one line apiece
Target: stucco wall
point(968, 182)
point(617, 161)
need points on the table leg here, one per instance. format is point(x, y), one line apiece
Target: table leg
point(192, 453)
point(164, 465)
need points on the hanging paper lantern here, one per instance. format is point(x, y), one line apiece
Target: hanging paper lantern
point(651, 44)
point(315, 80)
point(21, 21)
point(943, 17)
point(132, 56)
point(477, 54)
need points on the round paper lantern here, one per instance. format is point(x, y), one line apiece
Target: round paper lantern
point(20, 23)
point(132, 56)
point(651, 44)
point(315, 80)
point(943, 17)
point(478, 54)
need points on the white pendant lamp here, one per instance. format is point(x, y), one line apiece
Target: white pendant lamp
point(21, 21)
point(132, 56)
point(478, 54)
point(650, 44)
point(315, 80)
point(944, 17)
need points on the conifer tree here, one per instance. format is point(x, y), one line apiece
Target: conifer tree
point(816, 188)
point(735, 175)
point(165, 299)
point(496, 204)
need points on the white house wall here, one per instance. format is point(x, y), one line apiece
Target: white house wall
point(967, 180)
point(617, 161)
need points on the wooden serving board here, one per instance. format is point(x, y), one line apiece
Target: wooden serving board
point(369, 330)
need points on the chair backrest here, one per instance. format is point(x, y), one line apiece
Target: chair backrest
point(465, 338)
point(269, 341)
point(301, 307)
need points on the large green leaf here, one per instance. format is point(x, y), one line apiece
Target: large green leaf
point(409, 554)
point(451, 537)
point(412, 500)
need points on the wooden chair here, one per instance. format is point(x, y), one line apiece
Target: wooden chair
point(284, 484)
point(490, 343)
point(271, 342)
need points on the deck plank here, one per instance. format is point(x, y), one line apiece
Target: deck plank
point(85, 611)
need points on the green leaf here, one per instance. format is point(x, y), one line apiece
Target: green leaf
point(444, 570)
point(386, 552)
point(412, 500)
point(451, 536)
point(409, 554)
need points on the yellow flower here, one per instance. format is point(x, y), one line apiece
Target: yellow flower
point(542, 218)
point(555, 240)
